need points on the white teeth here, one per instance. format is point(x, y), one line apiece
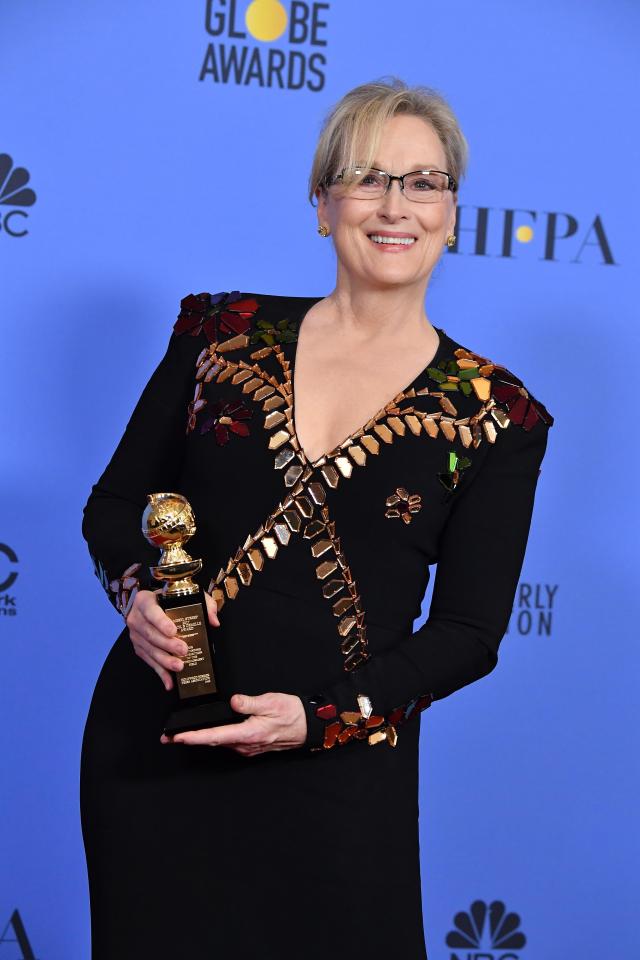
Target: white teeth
point(378, 239)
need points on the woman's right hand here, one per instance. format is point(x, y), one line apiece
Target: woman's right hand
point(154, 634)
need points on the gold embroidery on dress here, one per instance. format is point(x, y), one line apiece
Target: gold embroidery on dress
point(335, 574)
point(332, 569)
point(403, 504)
point(364, 724)
point(125, 587)
point(274, 533)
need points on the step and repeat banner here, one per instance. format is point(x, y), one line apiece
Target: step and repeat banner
point(148, 151)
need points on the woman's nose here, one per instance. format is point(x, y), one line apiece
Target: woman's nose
point(393, 200)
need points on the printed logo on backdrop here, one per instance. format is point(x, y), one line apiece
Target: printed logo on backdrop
point(266, 43)
point(486, 932)
point(15, 933)
point(8, 576)
point(554, 237)
point(532, 612)
point(14, 195)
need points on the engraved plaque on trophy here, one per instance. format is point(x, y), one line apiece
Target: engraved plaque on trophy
point(168, 522)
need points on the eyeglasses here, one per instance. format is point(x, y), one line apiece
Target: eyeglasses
point(423, 186)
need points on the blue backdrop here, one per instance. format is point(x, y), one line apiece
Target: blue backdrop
point(136, 126)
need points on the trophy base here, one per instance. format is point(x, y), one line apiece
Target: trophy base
point(216, 713)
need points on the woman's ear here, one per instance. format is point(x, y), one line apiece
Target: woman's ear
point(321, 199)
point(454, 215)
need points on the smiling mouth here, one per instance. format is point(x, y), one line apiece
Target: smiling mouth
point(385, 241)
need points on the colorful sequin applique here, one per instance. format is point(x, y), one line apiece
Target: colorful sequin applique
point(450, 478)
point(284, 331)
point(364, 724)
point(225, 416)
point(215, 314)
point(471, 373)
point(337, 578)
point(403, 504)
point(124, 588)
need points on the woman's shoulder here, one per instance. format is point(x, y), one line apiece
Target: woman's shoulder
point(500, 391)
point(240, 313)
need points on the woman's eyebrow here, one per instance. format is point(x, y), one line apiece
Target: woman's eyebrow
point(418, 166)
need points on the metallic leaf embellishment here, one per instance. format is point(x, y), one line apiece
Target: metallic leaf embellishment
point(403, 504)
point(337, 577)
point(450, 477)
point(100, 572)
point(218, 315)
point(471, 373)
point(364, 724)
point(226, 417)
point(125, 588)
point(284, 331)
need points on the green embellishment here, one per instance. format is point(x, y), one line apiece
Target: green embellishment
point(446, 368)
point(451, 477)
point(449, 367)
point(284, 331)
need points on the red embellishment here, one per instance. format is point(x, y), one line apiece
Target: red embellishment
point(331, 734)
point(218, 315)
point(396, 716)
point(227, 416)
point(195, 406)
point(327, 712)
point(522, 408)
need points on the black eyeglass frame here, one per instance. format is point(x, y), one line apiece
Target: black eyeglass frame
point(452, 183)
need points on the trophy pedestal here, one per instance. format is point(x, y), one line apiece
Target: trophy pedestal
point(215, 713)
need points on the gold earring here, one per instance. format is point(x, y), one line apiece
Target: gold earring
point(451, 239)
point(322, 230)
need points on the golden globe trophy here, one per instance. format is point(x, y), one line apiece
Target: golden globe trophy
point(168, 522)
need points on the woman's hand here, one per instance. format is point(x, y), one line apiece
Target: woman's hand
point(277, 721)
point(153, 634)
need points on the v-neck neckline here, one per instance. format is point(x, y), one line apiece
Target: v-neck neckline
point(298, 317)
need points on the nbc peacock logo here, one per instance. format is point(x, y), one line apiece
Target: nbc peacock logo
point(266, 43)
point(15, 194)
point(486, 932)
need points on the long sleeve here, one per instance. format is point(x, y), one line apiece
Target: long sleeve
point(481, 552)
point(147, 459)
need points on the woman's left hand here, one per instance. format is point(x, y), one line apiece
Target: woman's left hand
point(277, 721)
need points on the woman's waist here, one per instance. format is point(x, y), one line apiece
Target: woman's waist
point(272, 637)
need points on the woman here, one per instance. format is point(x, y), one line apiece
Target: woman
point(333, 449)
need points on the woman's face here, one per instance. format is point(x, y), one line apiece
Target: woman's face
point(407, 143)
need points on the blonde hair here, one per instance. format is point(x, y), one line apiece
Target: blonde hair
point(352, 129)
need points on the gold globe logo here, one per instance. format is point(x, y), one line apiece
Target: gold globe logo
point(524, 234)
point(266, 19)
point(267, 43)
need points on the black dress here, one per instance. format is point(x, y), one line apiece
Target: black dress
point(319, 570)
